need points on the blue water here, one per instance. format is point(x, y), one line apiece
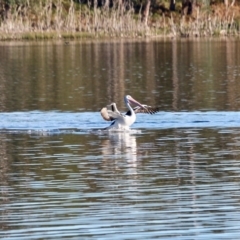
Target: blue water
point(174, 175)
point(67, 121)
point(149, 183)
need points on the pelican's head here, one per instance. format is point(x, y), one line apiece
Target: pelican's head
point(130, 100)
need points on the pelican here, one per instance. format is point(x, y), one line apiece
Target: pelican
point(124, 121)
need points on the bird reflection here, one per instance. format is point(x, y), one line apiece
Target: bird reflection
point(121, 146)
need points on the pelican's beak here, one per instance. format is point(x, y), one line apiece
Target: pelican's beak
point(135, 102)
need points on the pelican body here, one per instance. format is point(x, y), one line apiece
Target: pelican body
point(124, 121)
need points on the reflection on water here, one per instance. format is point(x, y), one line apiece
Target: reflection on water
point(174, 75)
point(174, 176)
point(120, 146)
point(180, 183)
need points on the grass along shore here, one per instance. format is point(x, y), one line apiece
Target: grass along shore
point(56, 21)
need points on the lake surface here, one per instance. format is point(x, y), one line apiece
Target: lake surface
point(174, 175)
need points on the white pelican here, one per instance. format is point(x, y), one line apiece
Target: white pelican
point(124, 121)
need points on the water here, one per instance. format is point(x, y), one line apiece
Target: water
point(174, 175)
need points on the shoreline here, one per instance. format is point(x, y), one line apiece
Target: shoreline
point(106, 40)
point(54, 36)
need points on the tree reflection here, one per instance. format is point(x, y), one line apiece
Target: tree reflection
point(173, 74)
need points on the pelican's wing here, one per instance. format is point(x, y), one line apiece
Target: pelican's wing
point(146, 109)
point(110, 112)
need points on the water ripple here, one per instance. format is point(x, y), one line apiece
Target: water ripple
point(167, 183)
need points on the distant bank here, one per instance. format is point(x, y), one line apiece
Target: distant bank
point(56, 19)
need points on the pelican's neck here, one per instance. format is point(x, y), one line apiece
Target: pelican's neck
point(128, 105)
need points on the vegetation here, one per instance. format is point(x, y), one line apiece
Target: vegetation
point(47, 19)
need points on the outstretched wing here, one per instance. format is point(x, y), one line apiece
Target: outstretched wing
point(146, 109)
point(110, 112)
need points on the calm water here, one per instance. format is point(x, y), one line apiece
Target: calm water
point(175, 175)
